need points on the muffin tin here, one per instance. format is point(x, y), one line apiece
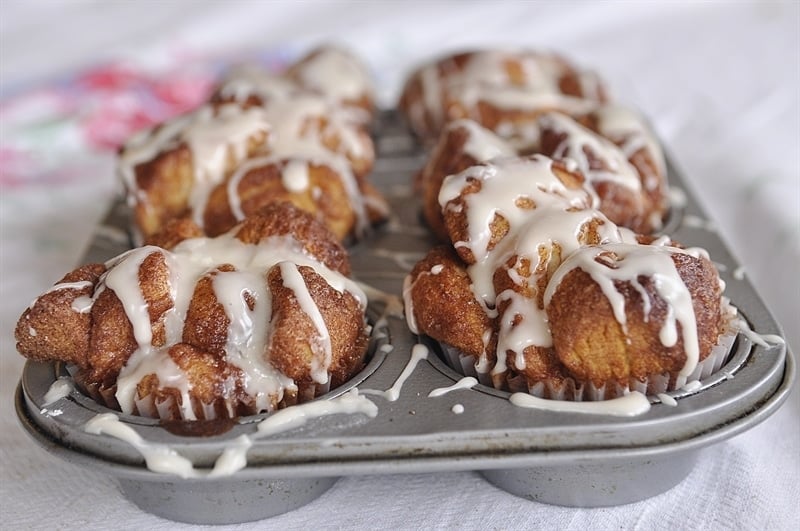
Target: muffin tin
point(572, 459)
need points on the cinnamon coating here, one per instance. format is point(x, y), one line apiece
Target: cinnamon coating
point(594, 346)
point(630, 190)
point(50, 327)
point(501, 90)
point(317, 111)
point(258, 318)
point(438, 281)
point(524, 229)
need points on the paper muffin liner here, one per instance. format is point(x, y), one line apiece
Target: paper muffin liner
point(168, 408)
point(466, 364)
point(571, 390)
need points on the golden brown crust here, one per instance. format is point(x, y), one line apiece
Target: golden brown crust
point(51, 328)
point(447, 158)
point(592, 344)
point(174, 232)
point(166, 181)
point(325, 197)
point(279, 219)
point(295, 340)
point(464, 324)
point(111, 341)
point(443, 78)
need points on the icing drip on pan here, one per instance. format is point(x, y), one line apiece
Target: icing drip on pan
point(161, 458)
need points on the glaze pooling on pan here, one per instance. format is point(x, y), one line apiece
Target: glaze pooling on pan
point(162, 458)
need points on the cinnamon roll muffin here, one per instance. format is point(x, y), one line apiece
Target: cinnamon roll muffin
point(501, 90)
point(261, 317)
point(544, 293)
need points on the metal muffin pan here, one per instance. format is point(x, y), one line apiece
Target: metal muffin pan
point(568, 459)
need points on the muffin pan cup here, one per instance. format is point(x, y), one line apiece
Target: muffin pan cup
point(569, 459)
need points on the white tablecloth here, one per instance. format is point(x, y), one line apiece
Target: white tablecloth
point(719, 81)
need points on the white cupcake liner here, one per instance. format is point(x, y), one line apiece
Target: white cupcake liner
point(571, 390)
point(466, 364)
point(169, 409)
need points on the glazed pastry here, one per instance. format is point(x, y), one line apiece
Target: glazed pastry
point(258, 318)
point(186, 167)
point(336, 74)
point(654, 310)
point(308, 126)
point(624, 172)
point(574, 306)
point(169, 171)
point(501, 90)
point(462, 144)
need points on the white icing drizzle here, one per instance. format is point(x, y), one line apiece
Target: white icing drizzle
point(503, 183)
point(334, 73)
point(546, 228)
point(677, 197)
point(214, 135)
point(163, 459)
point(483, 77)
point(629, 263)
point(295, 176)
point(542, 215)
point(59, 389)
point(692, 385)
point(577, 140)
point(233, 458)
point(248, 330)
point(629, 405)
point(467, 382)
point(627, 128)
point(667, 400)
point(697, 222)
point(80, 285)
point(158, 457)
point(418, 352)
point(293, 280)
point(762, 340)
point(292, 417)
point(408, 304)
point(82, 304)
point(482, 144)
point(248, 80)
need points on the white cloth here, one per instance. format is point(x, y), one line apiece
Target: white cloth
point(720, 82)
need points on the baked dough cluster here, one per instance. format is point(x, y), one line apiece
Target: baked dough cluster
point(550, 280)
point(503, 90)
point(300, 136)
point(256, 319)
